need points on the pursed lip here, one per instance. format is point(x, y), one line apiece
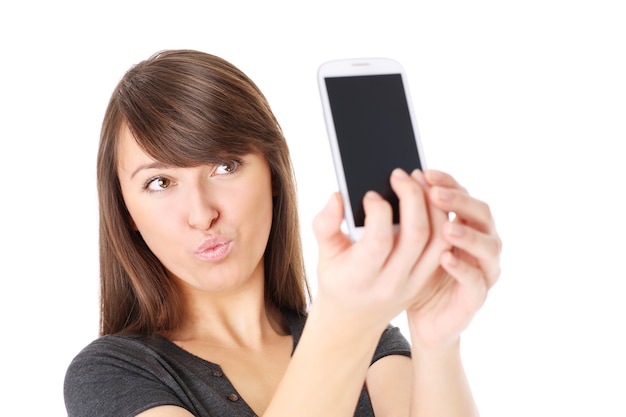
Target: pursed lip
point(214, 249)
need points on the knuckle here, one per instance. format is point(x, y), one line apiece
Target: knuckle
point(498, 245)
point(317, 222)
point(378, 245)
point(485, 208)
point(417, 234)
point(492, 248)
point(495, 277)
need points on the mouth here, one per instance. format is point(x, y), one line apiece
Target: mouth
point(214, 249)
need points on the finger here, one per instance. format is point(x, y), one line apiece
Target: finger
point(437, 216)
point(419, 243)
point(484, 248)
point(441, 179)
point(327, 228)
point(466, 208)
point(480, 240)
point(414, 230)
point(376, 243)
point(437, 244)
point(473, 284)
point(451, 197)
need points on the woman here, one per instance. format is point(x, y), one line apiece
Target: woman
point(204, 300)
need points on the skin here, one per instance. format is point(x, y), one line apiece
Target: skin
point(182, 207)
point(176, 210)
point(437, 270)
point(438, 276)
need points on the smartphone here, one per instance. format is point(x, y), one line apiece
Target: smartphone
point(371, 128)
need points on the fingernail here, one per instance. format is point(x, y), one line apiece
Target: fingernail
point(372, 195)
point(419, 177)
point(399, 173)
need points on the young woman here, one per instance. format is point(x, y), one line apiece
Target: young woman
point(205, 307)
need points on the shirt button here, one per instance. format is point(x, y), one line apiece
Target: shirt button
point(232, 396)
point(217, 373)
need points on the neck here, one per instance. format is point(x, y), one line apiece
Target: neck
point(238, 318)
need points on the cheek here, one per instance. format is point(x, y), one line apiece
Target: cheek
point(162, 233)
point(258, 206)
point(254, 208)
point(154, 221)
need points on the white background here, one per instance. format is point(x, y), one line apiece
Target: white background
point(524, 102)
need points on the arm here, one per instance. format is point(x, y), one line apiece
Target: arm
point(469, 268)
point(434, 382)
point(362, 286)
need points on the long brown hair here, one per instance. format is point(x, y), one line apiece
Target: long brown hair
point(187, 108)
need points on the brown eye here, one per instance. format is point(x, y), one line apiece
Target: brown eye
point(158, 184)
point(226, 168)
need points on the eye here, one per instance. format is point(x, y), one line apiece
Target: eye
point(158, 184)
point(227, 168)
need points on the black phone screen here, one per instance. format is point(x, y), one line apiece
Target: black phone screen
point(374, 135)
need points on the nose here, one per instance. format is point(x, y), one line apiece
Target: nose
point(202, 210)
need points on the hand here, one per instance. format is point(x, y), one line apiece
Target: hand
point(383, 274)
point(469, 268)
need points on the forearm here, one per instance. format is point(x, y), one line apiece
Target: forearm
point(327, 371)
point(440, 386)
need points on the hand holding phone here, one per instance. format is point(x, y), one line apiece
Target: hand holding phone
point(371, 128)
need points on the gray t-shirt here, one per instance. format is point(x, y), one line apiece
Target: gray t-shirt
point(123, 375)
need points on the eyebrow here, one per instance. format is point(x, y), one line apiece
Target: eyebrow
point(149, 165)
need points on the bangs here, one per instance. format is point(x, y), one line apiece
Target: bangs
point(185, 150)
point(182, 115)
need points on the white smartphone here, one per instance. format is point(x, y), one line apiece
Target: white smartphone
point(371, 128)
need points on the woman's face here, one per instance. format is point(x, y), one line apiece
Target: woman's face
point(209, 225)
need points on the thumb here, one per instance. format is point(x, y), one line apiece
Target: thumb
point(327, 228)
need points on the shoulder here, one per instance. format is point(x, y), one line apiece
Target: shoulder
point(392, 342)
point(125, 350)
point(121, 355)
point(389, 377)
point(112, 366)
point(121, 344)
